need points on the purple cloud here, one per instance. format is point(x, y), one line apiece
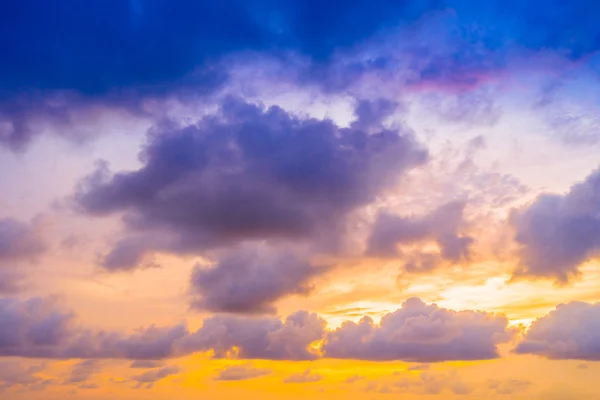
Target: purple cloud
point(303, 377)
point(419, 332)
point(558, 233)
point(250, 279)
point(444, 226)
point(240, 373)
point(246, 173)
point(149, 378)
point(19, 241)
point(262, 338)
point(571, 331)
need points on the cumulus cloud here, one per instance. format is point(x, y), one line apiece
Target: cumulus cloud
point(444, 226)
point(571, 331)
point(303, 377)
point(261, 338)
point(250, 278)
point(557, 233)
point(421, 333)
point(417, 332)
point(240, 373)
point(247, 173)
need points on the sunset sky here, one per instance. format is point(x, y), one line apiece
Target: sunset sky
point(332, 199)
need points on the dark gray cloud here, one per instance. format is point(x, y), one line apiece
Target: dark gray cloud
point(250, 279)
point(303, 377)
point(444, 225)
point(571, 331)
point(246, 173)
point(557, 233)
point(240, 373)
point(421, 333)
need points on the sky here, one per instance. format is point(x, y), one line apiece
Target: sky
point(280, 199)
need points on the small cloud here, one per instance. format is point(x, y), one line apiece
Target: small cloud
point(355, 378)
point(146, 364)
point(240, 373)
point(509, 386)
point(304, 377)
point(149, 378)
point(418, 367)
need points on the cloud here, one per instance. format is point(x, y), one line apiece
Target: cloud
point(420, 333)
point(82, 371)
point(303, 377)
point(250, 279)
point(426, 383)
point(38, 328)
point(149, 378)
point(15, 374)
point(443, 225)
point(558, 233)
point(120, 66)
point(509, 386)
point(146, 364)
point(19, 241)
point(260, 338)
point(418, 367)
point(571, 331)
point(247, 173)
point(240, 373)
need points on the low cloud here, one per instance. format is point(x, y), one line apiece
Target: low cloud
point(421, 333)
point(250, 279)
point(149, 378)
point(303, 377)
point(571, 331)
point(39, 328)
point(240, 373)
point(558, 233)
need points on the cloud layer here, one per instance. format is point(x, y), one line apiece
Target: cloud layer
point(38, 328)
